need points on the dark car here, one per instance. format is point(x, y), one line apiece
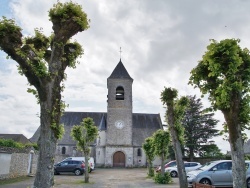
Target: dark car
point(77, 167)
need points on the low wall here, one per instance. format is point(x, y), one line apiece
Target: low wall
point(15, 163)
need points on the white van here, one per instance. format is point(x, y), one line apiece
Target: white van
point(91, 161)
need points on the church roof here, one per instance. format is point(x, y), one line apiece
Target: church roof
point(120, 72)
point(144, 125)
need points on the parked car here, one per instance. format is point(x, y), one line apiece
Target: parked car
point(91, 161)
point(189, 166)
point(169, 164)
point(75, 166)
point(216, 173)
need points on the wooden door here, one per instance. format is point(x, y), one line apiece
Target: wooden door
point(119, 159)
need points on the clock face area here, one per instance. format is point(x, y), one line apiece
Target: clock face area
point(119, 124)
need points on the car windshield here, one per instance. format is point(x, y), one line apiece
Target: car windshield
point(207, 165)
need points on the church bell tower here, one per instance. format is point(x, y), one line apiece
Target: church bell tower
point(119, 115)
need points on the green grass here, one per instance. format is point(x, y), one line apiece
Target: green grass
point(13, 180)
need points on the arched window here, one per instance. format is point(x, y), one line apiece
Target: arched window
point(63, 150)
point(119, 93)
point(139, 152)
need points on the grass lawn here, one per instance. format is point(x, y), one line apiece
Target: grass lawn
point(13, 180)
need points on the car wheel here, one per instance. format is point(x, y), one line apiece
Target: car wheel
point(56, 173)
point(248, 183)
point(205, 181)
point(78, 172)
point(173, 174)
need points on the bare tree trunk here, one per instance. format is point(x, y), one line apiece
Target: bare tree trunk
point(47, 146)
point(86, 156)
point(177, 148)
point(191, 154)
point(50, 101)
point(162, 165)
point(236, 145)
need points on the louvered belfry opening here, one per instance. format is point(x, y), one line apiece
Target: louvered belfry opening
point(119, 93)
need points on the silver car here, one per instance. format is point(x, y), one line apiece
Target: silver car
point(216, 173)
point(189, 166)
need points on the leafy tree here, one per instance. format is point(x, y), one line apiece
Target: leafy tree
point(161, 143)
point(149, 149)
point(199, 127)
point(210, 150)
point(85, 134)
point(224, 74)
point(43, 60)
point(174, 114)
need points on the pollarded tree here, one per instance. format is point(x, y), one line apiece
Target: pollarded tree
point(224, 74)
point(85, 134)
point(174, 114)
point(43, 61)
point(199, 127)
point(161, 144)
point(149, 149)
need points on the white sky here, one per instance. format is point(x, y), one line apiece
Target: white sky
point(161, 41)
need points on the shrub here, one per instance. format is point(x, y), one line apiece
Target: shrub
point(163, 179)
point(10, 143)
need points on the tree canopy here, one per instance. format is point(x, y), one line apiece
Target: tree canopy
point(224, 74)
point(85, 134)
point(199, 126)
point(43, 60)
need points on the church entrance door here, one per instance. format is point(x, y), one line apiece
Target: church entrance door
point(119, 159)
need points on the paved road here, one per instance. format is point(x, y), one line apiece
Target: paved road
point(103, 178)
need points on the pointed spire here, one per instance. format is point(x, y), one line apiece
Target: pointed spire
point(120, 72)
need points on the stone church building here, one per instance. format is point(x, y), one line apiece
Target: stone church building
point(121, 132)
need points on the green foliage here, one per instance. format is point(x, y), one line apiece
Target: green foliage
point(180, 106)
point(168, 95)
point(211, 150)
point(224, 74)
point(12, 144)
point(224, 133)
point(8, 27)
point(163, 179)
point(149, 149)
point(84, 134)
point(161, 141)
point(199, 126)
point(69, 11)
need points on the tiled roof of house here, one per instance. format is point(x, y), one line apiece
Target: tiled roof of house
point(144, 125)
point(15, 137)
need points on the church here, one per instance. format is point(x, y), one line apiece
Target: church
point(121, 132)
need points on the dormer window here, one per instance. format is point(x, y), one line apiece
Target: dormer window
point(119, 93)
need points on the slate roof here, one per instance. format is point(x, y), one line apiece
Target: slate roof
point(144, 125)
point(15, 137)
point(120, 72)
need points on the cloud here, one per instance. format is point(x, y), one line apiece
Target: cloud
point(161, 41)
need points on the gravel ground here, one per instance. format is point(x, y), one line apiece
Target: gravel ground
point(102, 178)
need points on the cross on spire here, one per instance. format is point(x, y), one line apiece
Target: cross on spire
point(120, 52)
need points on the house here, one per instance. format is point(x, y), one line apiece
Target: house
point(121, 132)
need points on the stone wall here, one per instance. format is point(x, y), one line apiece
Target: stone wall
point(15, 163)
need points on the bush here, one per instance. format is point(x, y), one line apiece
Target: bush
point(163, 179)
point(10, 143)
